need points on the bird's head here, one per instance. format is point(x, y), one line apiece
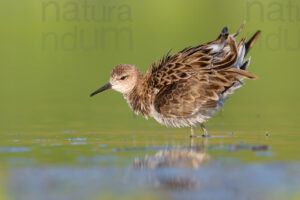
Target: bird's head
point(123, 79)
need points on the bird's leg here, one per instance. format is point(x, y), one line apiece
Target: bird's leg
point(192, 132)
point(205, 133)
point(205, 143)
point(192, 142)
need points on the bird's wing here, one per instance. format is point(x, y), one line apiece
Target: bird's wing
point(202, 91)
point(196, 76)
point(220, 54)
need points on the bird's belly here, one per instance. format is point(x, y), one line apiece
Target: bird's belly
point(187, 121)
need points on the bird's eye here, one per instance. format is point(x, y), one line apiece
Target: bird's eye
point(123, 78)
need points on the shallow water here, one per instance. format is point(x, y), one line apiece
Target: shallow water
point(155, 165)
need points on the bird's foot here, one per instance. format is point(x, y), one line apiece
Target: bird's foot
point(205, 135)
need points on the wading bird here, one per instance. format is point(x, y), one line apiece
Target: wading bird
point(185, 89)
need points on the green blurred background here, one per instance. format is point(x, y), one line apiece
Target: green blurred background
point(53, 54)
point(53, 136)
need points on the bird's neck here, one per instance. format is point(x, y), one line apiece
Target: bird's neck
point(138, 99)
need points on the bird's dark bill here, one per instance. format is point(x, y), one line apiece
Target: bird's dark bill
point(105, 87)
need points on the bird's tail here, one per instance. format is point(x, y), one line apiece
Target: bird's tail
point(240, 65)
point(249, 44)
point(243, 48)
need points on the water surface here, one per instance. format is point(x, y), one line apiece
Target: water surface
point(155, 165)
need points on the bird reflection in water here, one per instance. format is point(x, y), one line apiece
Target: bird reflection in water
point(173, 169)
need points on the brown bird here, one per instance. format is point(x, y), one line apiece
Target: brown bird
point(185, 89)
